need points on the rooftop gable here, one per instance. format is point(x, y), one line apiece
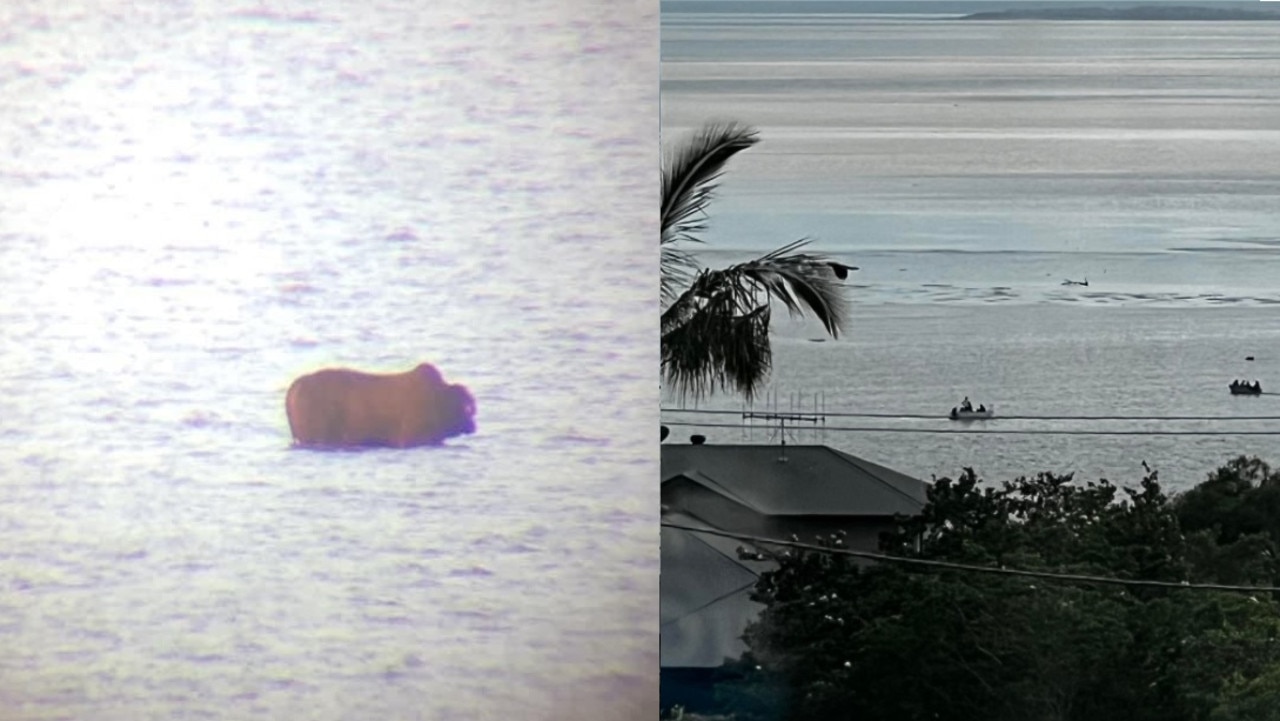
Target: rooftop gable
point(795, 480)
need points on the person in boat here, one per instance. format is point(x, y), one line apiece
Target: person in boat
point(965, 405)
point(954, 414)
point(982, 408)
point(1257, 387)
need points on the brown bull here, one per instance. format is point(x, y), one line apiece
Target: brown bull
point(337, 407)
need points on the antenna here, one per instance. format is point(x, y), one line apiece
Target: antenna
point(775, 418)
point(782, 419)
point(822, 435)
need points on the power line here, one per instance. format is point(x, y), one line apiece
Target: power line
point(944, 416)
point(989, 431)
point(999, 570)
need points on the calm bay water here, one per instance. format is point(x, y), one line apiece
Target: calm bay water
point(1029, 360)
point(969, 168)
point(201, 202)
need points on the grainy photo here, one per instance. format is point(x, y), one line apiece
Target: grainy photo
point(971, 358)
point(327, 360)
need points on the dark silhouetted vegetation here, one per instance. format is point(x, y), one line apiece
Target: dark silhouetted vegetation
point(886, 642)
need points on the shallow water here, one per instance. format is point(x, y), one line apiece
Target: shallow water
point(202, 203)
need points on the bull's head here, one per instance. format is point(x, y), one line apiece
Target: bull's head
point(458, 408)
point(463, 416)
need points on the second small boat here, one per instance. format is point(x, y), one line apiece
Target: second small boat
point(1242, 388)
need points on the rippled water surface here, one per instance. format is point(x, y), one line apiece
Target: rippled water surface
point(938, 153)
point(969, 169)
point(199, 202)
point(908, 365)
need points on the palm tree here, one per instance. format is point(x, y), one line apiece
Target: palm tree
point(715, 323)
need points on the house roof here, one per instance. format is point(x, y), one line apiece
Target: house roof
point(706, 595)
point(795, 480)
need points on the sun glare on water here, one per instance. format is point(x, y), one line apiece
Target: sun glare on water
point(161, 200)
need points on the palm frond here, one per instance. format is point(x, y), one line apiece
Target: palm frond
point(805, 283)
point(677, 269)
point(688, 183)
point(717, 350)
point(715, 335)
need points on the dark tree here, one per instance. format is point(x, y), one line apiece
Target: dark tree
point(888, 641)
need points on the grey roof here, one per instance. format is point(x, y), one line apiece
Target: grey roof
point(812, 480)
point(706, 596)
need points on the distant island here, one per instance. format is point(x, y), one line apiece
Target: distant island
point(1141, 12)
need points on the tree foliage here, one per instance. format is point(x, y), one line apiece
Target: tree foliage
point(715, 322)
point(883, 641)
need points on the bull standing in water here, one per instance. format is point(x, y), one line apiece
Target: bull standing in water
point(341, 408)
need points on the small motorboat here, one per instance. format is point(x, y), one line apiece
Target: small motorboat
point(1084, 282)
point(1245, 389)
point(983, 413)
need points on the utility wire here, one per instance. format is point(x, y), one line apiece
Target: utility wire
point(991, 431)
point(944, 416)
point(1080, 578)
